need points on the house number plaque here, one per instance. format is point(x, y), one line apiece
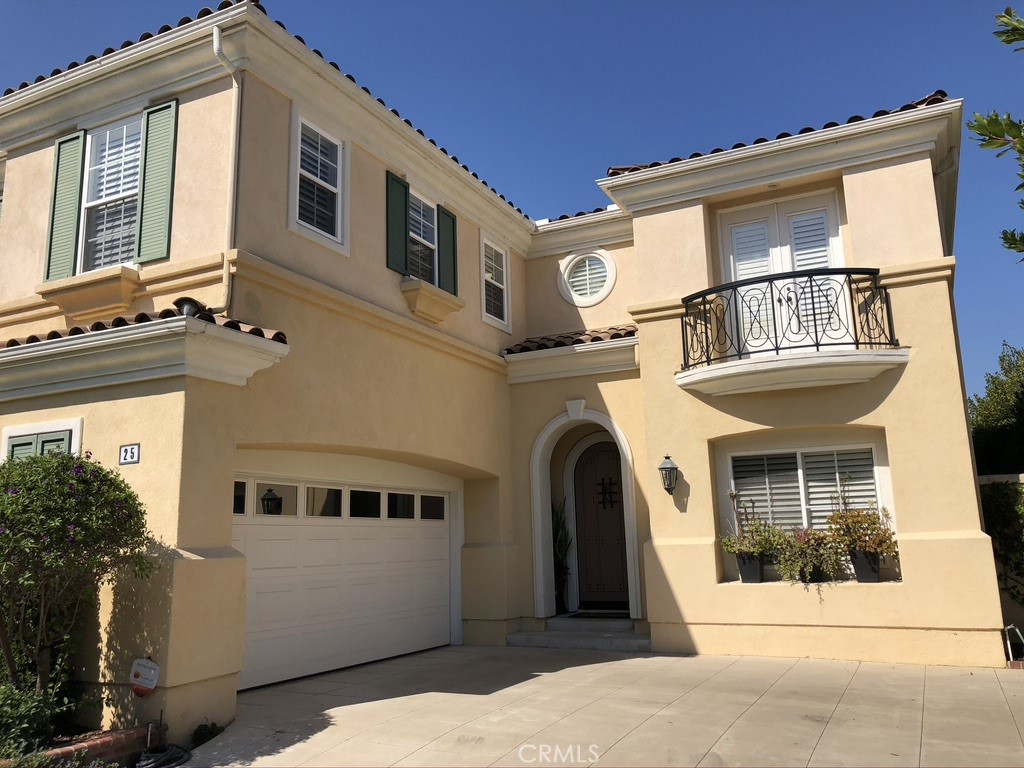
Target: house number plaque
point(129, 454)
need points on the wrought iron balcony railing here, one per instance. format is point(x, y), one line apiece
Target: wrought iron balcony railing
point(774, 315)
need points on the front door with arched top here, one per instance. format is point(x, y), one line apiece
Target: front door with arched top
point(600, 529)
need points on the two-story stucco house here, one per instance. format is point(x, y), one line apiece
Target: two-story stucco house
point(348, 379)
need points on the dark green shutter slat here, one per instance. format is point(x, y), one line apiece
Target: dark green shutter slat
point(65, 207)
point(398, 224)
point(156, 188)
point(20, 447)
point(50, 442)
point(447, 252)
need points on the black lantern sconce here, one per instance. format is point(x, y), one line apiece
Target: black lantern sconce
point(272, 503)
point(669, 475)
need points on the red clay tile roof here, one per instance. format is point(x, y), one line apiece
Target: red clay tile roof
point(569, 339)
point(184, 308)
point(204, 12)
point(933, 98)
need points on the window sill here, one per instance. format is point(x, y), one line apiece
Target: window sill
point(428, 301)
point(93, 295)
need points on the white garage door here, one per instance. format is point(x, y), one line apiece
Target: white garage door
point(339, 576)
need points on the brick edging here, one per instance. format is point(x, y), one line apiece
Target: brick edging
point(122, 747)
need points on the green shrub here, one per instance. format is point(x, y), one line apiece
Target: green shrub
point(26, 720)
point(67, 524)
point(865, 530)
point(756, 538)
point(204, 732)
point(1002, 505)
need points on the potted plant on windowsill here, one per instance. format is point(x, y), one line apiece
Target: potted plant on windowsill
point(810, 556)
point(865, 534)
point(755, 542)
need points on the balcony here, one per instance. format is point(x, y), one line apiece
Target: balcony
point(798, 329)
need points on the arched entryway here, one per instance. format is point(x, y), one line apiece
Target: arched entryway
point(590, 563)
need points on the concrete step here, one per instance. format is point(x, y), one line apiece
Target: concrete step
point(625, 642)
point(587, 624)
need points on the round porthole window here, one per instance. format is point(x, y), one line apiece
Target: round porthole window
point(586, 278)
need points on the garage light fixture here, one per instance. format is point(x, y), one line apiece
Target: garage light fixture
point(669, 474)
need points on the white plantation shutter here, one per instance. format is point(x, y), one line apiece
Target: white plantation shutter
point(587, 276)
point(839, 480)
point(112, 195)
point(772, 484)
point(494, 282)
point(751, 250)
point(319, 160)
point(808, 233)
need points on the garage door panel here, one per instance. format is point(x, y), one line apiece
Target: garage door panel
point(327, 595)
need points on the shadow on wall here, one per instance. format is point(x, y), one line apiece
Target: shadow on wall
point(132, 621)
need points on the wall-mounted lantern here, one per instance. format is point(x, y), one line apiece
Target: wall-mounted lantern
point(669, 474)
point(272, 503)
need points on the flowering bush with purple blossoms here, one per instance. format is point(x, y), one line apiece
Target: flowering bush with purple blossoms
point(67, 524)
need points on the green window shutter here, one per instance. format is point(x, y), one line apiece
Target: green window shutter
point(54, 442)
point(156, 188)
point(398, 224)
point(65, 207)
point(20, 447)
point(447, 252)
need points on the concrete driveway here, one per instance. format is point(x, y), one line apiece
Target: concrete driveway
point(519, 706)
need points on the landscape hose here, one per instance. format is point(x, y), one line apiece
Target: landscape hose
point(164, 757)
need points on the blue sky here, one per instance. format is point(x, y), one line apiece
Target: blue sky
point(540, 97)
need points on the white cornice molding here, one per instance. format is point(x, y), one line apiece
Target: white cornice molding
point(161, 349)
point(934, 129)
point(577, 360)
point(595, 230)
point(167, 63)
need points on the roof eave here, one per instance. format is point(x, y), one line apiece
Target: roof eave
point(934, 129)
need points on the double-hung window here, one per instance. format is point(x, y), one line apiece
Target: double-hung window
point(111, 199)
point(802, 488)
point(421, 237)
point(112, 194)
point(319, 182)
point(495, 283)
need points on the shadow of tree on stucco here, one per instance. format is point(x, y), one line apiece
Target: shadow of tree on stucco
point(131, 621)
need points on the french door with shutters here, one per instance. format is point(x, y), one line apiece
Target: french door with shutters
point(774, 310)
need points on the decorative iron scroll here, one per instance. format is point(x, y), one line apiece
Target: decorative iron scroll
point(813, 309)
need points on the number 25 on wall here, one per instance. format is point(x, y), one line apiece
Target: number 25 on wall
point(129, 454)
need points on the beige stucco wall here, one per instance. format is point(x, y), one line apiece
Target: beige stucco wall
point(359, 268)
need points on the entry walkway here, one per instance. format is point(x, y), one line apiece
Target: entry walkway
point(523, 706)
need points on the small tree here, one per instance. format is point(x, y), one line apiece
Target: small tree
point(67, 524)
point(997, 416)
point(1001, 132)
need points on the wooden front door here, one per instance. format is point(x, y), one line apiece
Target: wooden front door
point(600, 529)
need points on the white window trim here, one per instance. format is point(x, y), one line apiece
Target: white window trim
point(427, 201)
point(20, 430)
point(566, 264)
point(85, 204)
point(338, 244)
point(775, 211)
point(883, 493)
point(504, 324)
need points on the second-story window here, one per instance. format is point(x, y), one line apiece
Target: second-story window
point(113, 190)
point(111, 200)
point(319, 197)
point(422, 239)
point(495, 283)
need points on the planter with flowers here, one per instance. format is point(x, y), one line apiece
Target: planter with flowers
point(810, 556)
point(755, 542)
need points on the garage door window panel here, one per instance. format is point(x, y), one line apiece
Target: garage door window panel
point(323, 502)
point(401, 506)
point(432, 507)
point(364, 504)
point(266, 506)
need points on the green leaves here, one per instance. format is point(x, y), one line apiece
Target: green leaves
point(1001, 132)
